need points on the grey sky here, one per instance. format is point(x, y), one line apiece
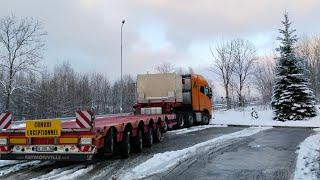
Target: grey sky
point(87, 32)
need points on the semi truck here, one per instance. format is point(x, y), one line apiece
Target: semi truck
point(165, 101)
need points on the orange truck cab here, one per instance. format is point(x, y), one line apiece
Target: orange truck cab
point(197, 103)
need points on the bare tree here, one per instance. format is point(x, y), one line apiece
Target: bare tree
point(164, 67)
point(264, 75)
point(309, 49)
point(244, 55)
point(21, 45)
point(224, 66)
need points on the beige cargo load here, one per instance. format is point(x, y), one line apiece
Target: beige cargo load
point(159, 87)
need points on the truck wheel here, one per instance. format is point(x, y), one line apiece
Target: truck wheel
point(157, 135)
point(109, 143)
point(125, 145)
point(180, 121)
point(190, 120)
point(138, 142)
point(205, 119)
point(149, 138)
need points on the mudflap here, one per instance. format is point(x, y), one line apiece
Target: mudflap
point(47, 157)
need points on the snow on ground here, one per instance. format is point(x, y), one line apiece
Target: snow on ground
point(163, 162)
point(194, 128)
point(307, 163)
point(7, 162)
point(265, 118)
point(22, 165)
point(66, 173)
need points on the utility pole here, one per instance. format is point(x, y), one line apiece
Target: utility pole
point(121, 82)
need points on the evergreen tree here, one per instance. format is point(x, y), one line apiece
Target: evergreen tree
point(292, 98)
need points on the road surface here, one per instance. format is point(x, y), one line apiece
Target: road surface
point(269, 154)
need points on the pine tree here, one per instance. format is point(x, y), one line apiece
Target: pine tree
point(292, 97)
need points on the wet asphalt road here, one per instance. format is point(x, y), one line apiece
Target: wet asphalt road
point(269, 154)
point(112, 167)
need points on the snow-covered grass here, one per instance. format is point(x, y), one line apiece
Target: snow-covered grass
point(265, 118)
point(307, 163)
point(163, 162)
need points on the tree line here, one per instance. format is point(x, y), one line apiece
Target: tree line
point(61, 93)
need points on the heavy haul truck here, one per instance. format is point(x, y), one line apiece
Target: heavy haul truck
point(165, 101)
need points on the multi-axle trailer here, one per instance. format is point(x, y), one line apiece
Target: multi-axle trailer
point(109, 134)
point(165, 101)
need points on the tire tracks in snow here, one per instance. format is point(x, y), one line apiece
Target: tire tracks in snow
point(24, 166)
point(161, 165)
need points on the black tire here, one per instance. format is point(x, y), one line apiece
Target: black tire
point(165, 127)
point(125, 148)
point(157, 135)
point(189, 118)
point(109, 143)
point(180, 121)
point(205, 119)
point(138, 141)
point(149, 138)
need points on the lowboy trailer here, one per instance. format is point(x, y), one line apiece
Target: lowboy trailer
point(107, 135)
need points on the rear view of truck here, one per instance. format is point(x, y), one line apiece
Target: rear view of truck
point(187, 96)
point(82, 138)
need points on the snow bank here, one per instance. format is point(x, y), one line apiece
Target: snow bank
point(307, 163)
point(163, 162)
point(265, 118)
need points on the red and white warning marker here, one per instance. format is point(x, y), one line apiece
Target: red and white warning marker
point(84, 119)
point(5, 120)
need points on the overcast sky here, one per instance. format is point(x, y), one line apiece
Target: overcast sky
point(87, 32)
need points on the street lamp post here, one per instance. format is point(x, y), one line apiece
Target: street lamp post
point(121, 83)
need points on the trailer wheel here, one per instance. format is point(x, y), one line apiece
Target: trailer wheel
point(149, 138)
point(125, 145)
point(109, 143)
point(205, 119)
point(138, 142)
point(157, 135)
point(165, 127)
point(180, 121)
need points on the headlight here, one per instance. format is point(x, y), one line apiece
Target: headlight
point(86, 141)
point(3, 141)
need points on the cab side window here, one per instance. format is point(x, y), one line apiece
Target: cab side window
point(206, 91)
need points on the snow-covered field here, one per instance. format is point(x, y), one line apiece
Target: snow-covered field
point(163, 162)
point(307, 165)
point(265, 118)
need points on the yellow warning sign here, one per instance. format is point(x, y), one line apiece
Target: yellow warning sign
point(43, 128)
